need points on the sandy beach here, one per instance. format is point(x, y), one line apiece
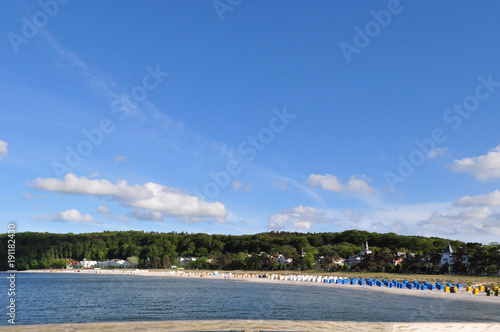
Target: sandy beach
point(460, 295)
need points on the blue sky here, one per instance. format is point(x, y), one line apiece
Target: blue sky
point(238, 117)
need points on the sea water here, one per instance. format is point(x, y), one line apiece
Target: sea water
point(43, 298)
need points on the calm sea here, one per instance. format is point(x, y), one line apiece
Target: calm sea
point(65, 298)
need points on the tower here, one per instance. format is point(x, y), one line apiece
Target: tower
point(366, 251)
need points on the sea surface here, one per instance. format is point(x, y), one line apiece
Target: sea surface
point(78, 298)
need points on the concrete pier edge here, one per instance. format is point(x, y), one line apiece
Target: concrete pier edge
point(258, 325)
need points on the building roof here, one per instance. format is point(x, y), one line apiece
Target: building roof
point(448, 250)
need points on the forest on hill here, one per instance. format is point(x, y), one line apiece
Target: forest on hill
point(251, 252)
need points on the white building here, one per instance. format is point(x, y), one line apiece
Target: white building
point(366, 251)
point(85, 264)
point(356, 259)
point(185, 260)
point(446, 256)
point(114, 263)
point(282, 260)
point(340, 261)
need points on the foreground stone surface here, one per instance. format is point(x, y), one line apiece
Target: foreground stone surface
point(256, 325)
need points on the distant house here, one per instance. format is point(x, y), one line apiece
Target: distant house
point(185, 260)
point(72, 264)
point(398, 260)
point(357, 259)
point(85, 264)
point(113, 263)
point(340, 261)
point(282, 260)
point(399, 257)
point(354, 260)
point(446, 256)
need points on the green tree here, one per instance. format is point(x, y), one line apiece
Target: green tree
point(133, 261)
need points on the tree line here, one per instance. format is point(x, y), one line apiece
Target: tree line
point(247, 252)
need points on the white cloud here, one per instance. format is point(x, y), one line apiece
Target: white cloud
point(491, 199)
point(464, 222)
point(438, 152)
point(483, 167)
point(298, 218)
point(119, 159)
point(104, 210)
point(327, 182)
point(357, 184)
point(149, 196)
point(71, 215)
point(383, 218)
point(3, 148)
point(477, 216)
point(470, 219)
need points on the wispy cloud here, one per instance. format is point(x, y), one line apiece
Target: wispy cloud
point(237, 185)
point(353, 216)
point(3, 149)
point(91, 78)
point(147, 215)
point(438, 153)
point(119, 159)
point(104, 210)
point(356, 184)
point(281, 184)
point(150, 123)
point(26, 196)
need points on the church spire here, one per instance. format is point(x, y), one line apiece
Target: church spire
point(366, 245)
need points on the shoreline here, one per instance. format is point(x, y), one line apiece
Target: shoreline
point(460, 295)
